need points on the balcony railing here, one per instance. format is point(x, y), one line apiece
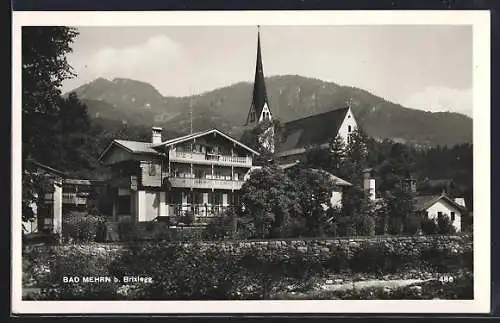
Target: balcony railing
point(182, 156)
point(73, 198)
point(204, 183)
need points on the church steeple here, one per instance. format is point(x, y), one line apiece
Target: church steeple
point(259, 109)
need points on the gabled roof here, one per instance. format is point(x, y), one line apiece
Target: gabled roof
point(314, 130)
point(178, 140)
point(133, 147)
point(140, 147)
point(334, 179)
point(423, 202)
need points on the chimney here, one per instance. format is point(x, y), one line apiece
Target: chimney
point(156, 135)
point(460, 201)
point(409, 184)
point(369, 184)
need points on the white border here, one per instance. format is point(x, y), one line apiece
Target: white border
point(480, 20)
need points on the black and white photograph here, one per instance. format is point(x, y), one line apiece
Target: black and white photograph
point(301, 162)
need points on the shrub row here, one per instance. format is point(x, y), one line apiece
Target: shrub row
point(82, 228)
point(238, 271)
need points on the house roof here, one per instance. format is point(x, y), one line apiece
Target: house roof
point(134, 147)
point(178, 140)
point(336, 180)
point(423, 202)
point(140, 147)
point(73, 181)
point(314, 130)
point(46, 168)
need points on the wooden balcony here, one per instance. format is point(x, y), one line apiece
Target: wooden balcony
point(203, 183)
point(74, 198)
point(209, 159)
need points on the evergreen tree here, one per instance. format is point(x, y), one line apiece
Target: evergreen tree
point(356, 154)
point(330, 159)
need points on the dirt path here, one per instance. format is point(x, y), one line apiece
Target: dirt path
point(372, 283)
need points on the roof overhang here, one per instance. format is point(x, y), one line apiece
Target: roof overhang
point(182, 139)
point(118, 144)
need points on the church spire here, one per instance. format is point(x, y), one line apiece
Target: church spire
point(259, 110)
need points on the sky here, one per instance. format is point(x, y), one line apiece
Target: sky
point(418, 66)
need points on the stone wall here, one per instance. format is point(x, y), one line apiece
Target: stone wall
point(321, 247)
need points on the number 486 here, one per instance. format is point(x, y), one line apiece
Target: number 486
point(446, 279)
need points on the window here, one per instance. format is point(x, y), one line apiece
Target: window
point(48, 223)
point(217, 198)
point(349, 129)
point(198, 197)
point(426, 214)
point(123, 204)
point(452, 216)
point(189, 197)
point(252, 116)
point(440, 215)
point(152, 169)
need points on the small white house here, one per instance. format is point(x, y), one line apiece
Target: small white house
point(338, 184)
point(436, 206)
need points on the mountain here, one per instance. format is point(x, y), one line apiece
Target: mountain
point(291, 97)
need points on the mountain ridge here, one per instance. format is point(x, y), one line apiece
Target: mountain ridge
point(291, 97)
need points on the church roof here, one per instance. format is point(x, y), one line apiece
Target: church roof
point(314, 130)
point(259, 96)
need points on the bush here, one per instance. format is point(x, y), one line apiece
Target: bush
point(346, 226)
point(181, 272)
point(82, 228)
point(429, 226)
point(219, 228)
point(445, 226)
point(75, 263)
point(412, 224)
point(218, 271)
point(365, 226)
point(395, 226)
point(188, 218)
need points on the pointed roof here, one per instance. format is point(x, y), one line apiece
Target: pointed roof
point(423, 202)
point(313, 130)
point(140, 147)
point(259, 97)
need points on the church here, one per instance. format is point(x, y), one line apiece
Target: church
point(315, 130)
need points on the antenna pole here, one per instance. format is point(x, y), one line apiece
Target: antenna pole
point(190, 104)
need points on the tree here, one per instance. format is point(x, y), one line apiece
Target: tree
point(266, 138)
point(399, 210)
point(330, 159)
point(270, 202)
point(358, 213)
point(314, 191)
point(356, 154)
point(44, 68)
